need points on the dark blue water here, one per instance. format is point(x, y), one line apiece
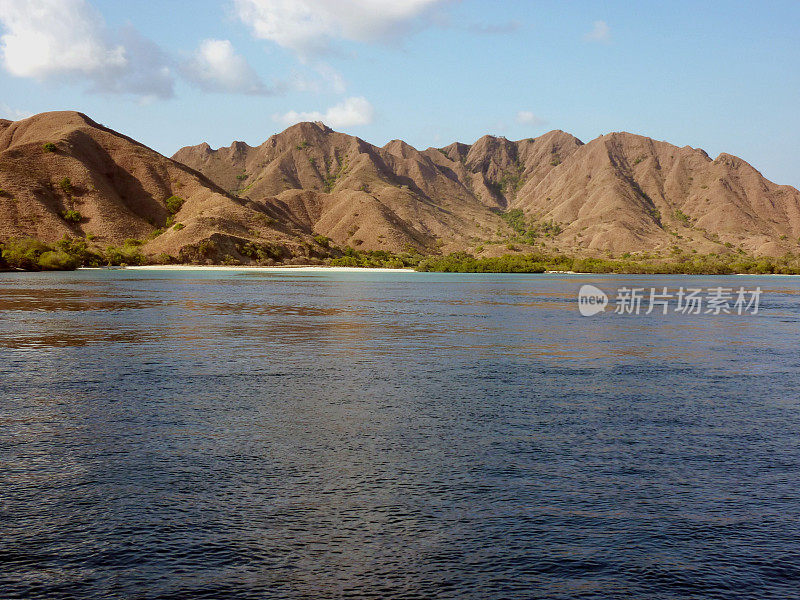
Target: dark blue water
point(236, 435)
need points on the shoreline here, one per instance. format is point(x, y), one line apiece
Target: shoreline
point(330, 269)
point(274, 269)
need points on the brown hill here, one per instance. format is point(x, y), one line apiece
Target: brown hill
point(62, 174)
point(618, 193)
point(624, 192)
point(357, 194)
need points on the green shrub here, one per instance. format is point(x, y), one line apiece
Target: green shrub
point(174, 204)
point(550, 228)
point(72, 216)
point(207, 247)
point(377, 258)
point(462, 262)
point(125, 255)
point(57, 261)
point(49, 147)
point(201, 252)
point(394, 263)
point(242, 176)
point(258, 251)
point(683, 218)
point(24, 253)
point(65, 185)
point(78, 249)
point(265, 220)
point(178, 226)
point(165, 259)
point(322, 240)
point(33, 255)
point(346, 261)
point(684, 263)
point(516, 220)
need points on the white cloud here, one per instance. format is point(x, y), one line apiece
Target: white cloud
point(325, 79)
point(307, 26)
point(331, 77)
point(350, 112)
point(216, 67)
point(526, 117)
point(51, 37)
point(13, 114)
point(148, 73)
point(65, 39)
point(600, 33)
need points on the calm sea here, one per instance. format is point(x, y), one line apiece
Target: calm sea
point(243, 434)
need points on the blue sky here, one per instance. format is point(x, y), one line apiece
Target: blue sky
point(723, 76)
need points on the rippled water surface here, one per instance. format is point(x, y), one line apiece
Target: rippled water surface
point(229, 434)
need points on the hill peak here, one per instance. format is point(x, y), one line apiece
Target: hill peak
point(305, 128)
point(61, 118)
point(400, 148)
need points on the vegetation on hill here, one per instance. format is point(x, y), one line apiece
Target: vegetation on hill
point(462, 262)
point(29, 254)
point(525, 232)
point(376, 259)
point(711, 264)
point(70, 253)
point(174, 204)
point(305, 194)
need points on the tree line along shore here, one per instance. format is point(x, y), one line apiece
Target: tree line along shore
point(28, 254)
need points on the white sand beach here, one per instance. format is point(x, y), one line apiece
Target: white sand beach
point(282, 269)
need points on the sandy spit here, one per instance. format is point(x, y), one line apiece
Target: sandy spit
point(304, 269)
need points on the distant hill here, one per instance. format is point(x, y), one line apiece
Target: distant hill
point(618, 193)
point(360, 195)
point(62, 174)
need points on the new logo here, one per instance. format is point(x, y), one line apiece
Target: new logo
point(591, 300)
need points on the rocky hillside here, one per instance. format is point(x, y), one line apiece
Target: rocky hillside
point(340, 186)
point(62, 174)
point(616, 194)
point(623, 192)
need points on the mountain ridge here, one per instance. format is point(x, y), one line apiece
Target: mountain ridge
point(618, 193)
point(309, 192)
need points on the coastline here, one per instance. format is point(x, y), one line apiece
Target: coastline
point(274, 269)
point(331, 269)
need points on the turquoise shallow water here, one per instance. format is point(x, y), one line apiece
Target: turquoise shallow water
point(227, 434)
